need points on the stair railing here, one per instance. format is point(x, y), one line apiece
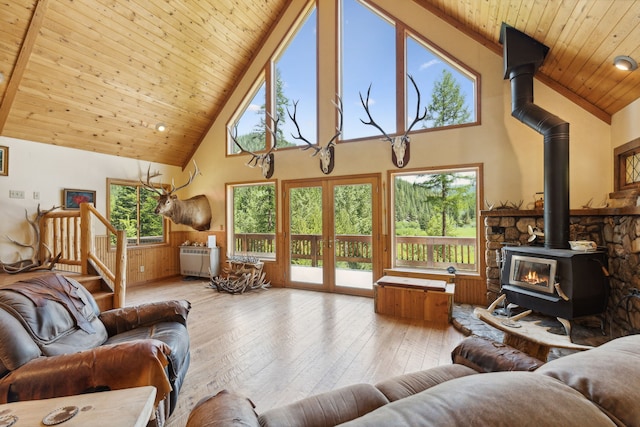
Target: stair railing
point(70, 234)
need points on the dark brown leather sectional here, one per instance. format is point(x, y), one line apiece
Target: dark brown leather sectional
point(55, 342)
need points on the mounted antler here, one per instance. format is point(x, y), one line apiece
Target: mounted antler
point(34, 263)
point(266, 161)
point(194, 212)
point(327, 157)
point(400, 144)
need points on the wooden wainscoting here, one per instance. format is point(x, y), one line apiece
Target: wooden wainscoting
point(471, 290)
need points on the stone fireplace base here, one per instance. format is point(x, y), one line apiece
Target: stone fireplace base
point(616, 230)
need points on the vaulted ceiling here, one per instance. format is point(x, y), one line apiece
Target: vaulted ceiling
point(99, 75)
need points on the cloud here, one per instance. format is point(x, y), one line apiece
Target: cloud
point(429, 64)
point(254, 107)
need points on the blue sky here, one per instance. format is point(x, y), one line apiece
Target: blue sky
point(368, 58)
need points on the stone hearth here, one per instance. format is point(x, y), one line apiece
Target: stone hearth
point(616, 230)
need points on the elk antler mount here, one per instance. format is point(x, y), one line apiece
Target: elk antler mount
point(399, 143)
point(34, 263)
point(266, 161)
point(194, 212)
point(326, 153)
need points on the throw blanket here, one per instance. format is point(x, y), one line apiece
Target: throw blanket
point(54, 287)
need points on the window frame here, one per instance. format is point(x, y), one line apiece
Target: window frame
point(620, 156)
point(391, 174)
point(268, 75)
point(230, 218)
point(165, 221)
point(403, 32)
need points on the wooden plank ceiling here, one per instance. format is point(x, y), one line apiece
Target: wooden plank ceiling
point(99, 75)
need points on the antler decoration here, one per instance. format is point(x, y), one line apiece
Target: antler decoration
point(399, 143)
point(326, 153)
point(34, 263)
point(266, 161)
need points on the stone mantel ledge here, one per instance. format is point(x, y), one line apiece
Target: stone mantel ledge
point(631, 210)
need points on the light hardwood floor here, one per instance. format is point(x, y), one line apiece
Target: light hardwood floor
point(280, 345)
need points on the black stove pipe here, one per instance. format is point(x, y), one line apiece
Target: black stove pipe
point(522, 57)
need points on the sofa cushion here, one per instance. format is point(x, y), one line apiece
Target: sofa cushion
point(326, 409)
point(409, 384)
point(493, 399)
point(58, 313)
point(607, 375)
point(173, 334)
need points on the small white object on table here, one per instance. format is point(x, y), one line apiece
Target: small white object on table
point(131, 407)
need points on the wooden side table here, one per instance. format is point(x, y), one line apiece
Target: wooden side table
point(127, 407)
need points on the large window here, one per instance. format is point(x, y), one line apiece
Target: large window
point(132, 208)
point(382, 52)
point(289, 81)
point(434, 219)
point(252, 217)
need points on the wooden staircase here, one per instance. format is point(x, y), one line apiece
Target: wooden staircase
point(70, 233)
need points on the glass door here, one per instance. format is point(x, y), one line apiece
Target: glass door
point(332, 233)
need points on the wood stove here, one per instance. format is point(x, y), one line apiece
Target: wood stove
point(557, 282)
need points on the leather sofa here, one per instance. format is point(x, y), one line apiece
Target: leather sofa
point(484, 386)
point(54, 341)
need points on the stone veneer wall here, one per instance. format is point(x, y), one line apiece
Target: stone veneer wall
point(617, 230)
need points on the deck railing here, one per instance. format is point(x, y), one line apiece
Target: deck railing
point(70, 233)
point(411, 251)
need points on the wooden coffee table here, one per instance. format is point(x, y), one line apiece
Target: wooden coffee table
point(128, 407)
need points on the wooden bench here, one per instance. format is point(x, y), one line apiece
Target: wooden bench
point(414, 298)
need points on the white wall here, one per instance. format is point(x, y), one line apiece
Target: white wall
point(625, 125)
point(48, 169)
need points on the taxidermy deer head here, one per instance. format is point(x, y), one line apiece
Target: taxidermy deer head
point(327, 153)
point(399, 143)
point(266, 161)
point(194, 212)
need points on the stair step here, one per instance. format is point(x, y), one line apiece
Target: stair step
point(104, 300)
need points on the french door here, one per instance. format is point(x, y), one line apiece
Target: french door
point(332, 234)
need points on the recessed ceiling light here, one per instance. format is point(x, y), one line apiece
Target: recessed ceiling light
point(624, 62)
point(161, 127)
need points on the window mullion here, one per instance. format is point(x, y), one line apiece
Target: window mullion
point(401, 78)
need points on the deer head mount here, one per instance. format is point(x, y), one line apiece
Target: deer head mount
point(265, 161)
point(326, 153)
point(194, 212)
point(399, 143)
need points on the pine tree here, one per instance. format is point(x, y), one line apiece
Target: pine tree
point(447, 103)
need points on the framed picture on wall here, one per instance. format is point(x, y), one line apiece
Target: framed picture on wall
point(71, 199)
point(4, 161)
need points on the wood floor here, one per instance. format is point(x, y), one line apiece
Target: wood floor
point(280, 345)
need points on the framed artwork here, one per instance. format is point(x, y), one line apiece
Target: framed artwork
point(4, 161)
point(71, 199)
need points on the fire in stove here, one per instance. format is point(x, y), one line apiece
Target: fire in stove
point(533, 272)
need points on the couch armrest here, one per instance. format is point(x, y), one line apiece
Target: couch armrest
point(124, 319)
point(222, 410)
point(486, 355)
point(108, 367)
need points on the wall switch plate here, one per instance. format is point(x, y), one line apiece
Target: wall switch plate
point(36, 195)
point(16, 194)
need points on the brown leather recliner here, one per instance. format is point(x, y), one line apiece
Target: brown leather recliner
point(55, 342)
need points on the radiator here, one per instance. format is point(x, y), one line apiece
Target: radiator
point(197, 261)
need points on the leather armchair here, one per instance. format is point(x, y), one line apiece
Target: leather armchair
point(55, 342)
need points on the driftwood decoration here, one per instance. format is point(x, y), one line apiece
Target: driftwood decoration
point(265, 161)
point(240, 275)
point(34, 263)
point(327, 153)
point(400, 144)
point(194, 212)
